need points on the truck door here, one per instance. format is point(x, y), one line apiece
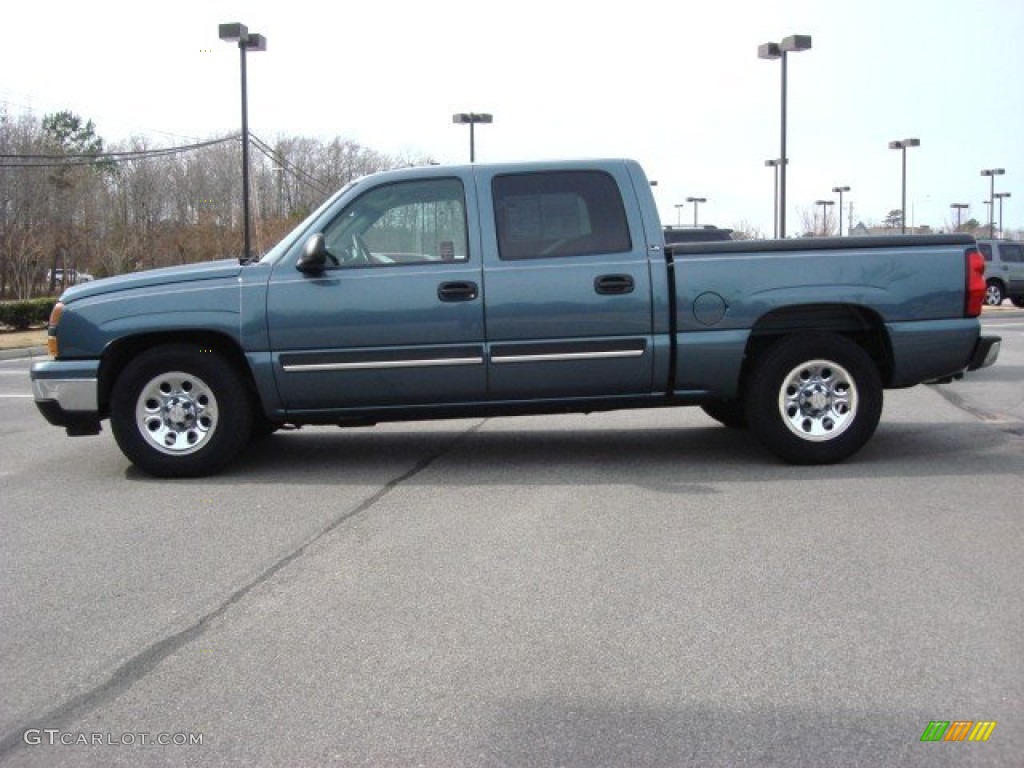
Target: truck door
point(568, 311)
point(397, 316)
point(1012, 256)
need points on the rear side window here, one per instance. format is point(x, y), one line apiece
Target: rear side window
point(986, 251)
point(1013, 253)
point(567, 213)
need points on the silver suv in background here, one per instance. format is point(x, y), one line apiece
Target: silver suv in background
point(1004, 271)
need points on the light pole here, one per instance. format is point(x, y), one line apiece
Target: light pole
point(824, 211)
point(696, 201)
point(992, 173)
point(1000, 196)
point(790, 44)
point(471, 119)
point(840, 190)
point(902, 146)
point(679, 214)
point(247, 41)
point(775, 163)
point(959, 208)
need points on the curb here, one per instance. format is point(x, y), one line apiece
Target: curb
point(20, 352)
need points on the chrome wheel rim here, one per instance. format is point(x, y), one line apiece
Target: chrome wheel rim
point(818, 400)
point(176, 413)
point(993, 295)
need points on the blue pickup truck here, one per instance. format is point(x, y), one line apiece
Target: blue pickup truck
point(484, 290)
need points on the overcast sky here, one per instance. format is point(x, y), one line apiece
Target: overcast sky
point(675, 85)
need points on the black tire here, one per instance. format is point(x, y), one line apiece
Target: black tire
point(731, 413)
point(1018, 301)
point(815, 398)
point(180, 411)
point(994, 293)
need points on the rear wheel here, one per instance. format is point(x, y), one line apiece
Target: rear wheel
point(176, 411)
point(1018, 301)
point(814, 398)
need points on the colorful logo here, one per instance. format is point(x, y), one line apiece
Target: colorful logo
point(958, 730)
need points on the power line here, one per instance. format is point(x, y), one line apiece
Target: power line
point(300, 175)
point(105, 157)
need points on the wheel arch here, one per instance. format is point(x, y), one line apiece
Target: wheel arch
point(119, 352)
point(860, 324)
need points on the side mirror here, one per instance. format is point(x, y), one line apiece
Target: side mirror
point(314, 255)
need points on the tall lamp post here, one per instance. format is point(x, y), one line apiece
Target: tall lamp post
point(840, 190)
point(696, 202)
point(471, 119)
point(959, 208)
point(790, 44)
point(775, 163)
point(679, 214)
point(1000, 196)
point(824, 211)
point(992, 173)
point(247, 41)
point(902, 146)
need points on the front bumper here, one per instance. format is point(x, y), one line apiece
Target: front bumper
point(67, 394)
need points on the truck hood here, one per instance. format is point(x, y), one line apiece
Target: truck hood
point(211, 270)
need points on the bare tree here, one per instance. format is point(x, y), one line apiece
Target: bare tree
point(744, 230)
point(67, 202)
point(818, 224)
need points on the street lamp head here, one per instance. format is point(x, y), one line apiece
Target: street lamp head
point(796, 43)
point(696, 200)
point(824, 202)
point(1001, 195)
point(232, 32)
point(769, 51)
point(840, 189)
point(904, 143)
point(465, 118)
point(961, 206)
point(993, 172)
point(255, 42)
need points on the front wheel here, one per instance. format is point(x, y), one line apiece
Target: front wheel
point(179, 411)
point(814, 398)
point(994, 294)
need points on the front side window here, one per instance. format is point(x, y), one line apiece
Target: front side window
point(566, 213)
point(411, 222)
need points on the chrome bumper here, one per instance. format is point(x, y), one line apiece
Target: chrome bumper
point(69, 394)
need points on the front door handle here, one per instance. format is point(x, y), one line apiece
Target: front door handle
point(613, 285)
point(458, 291)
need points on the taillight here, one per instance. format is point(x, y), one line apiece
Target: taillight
point(975, 295)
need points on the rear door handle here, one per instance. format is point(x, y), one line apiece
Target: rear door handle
point(613, 284)
point(458, 291)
